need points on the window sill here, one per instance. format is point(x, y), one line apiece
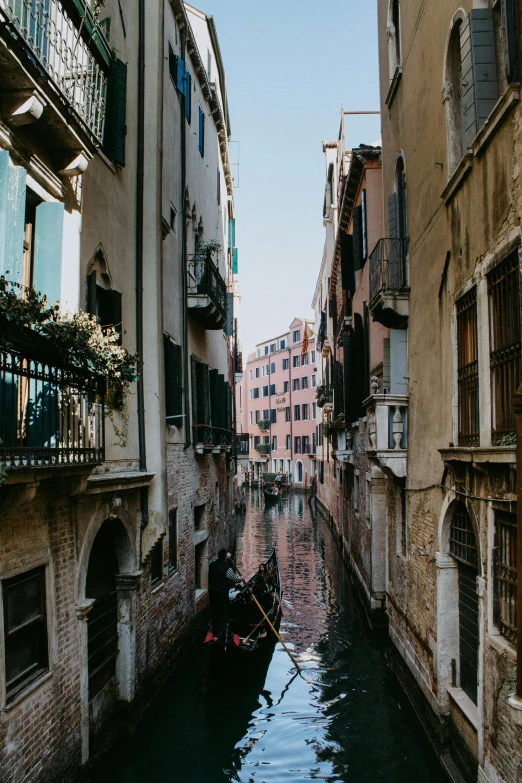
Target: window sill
point(503, 646)
point(33, 686)
point(110, 165)
point(465, 705)
point(457, 178)
point(394, 84)
point(502, 107)
point(156, 587)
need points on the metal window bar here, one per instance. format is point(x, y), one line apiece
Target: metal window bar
point(462, 536)
point(204, 279)
point(388, 266)
point(505, 337)
point(49, 415)
point(55, 41)
point(506, 574)
point(467, 372)
point(212, 436)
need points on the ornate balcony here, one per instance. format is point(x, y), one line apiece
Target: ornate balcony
point(241, 441)
point(54, 61)
point(51, 413)
point(387, 431)
point(213, 439)
point(206, 291)
point(389, 289)
point(325, 397)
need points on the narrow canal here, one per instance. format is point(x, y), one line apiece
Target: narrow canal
point(345, 720)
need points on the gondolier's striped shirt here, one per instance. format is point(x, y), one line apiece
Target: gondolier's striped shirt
point(231, 574)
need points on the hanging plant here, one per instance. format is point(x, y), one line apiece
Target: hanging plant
point(331, 426)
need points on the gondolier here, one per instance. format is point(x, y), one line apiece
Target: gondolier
point(221, 577)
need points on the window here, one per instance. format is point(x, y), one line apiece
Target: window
point(394, 39)
point(312, 357)
point(282, 344)
point(286, 387)
point(257, 440)
point(314, 410)
point(266, 349)
point(272, 367)
point(306, 444)
point(257, 372)
point(306, 414)
point(506, 574)
point(296, 384)
point(505, 344)
point(287, 414)
point(297, 413)
point(250, 374)
point(251, 442)
point(173, 540)
point(25, 629)
point(467, 371)
point(288, 443)
point(273, 347)
point(314, 443)
point(103, 302)
point(258, 416)
point(304, 359)
point(200, 517)
point(265, 391)
point(296, 335)
point(272, 388)
point(273, 416)
point(314, 381)
point(266, 439)
point(304, 383)
point(173, 361)
point(201, 132)
point(156, 563)
point(297, 444)
point(274, 442)
point(183, 82)
point(356, 491)
point(256, 393)
point(201, 565)
point(251, 417)
point(319, 434)
point(266, 414)
point(295, 360)
point(285, 364)
point(115, 119)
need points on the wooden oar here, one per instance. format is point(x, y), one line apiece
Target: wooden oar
point(271, 626)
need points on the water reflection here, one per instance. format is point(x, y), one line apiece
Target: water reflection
point(344, 720)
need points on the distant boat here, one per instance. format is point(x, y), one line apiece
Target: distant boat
point(247, 631)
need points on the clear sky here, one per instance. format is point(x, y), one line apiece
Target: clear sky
point(290, 65)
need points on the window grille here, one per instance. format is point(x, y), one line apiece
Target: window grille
point(462, 536)
point(506, 574)
point(468, 377)
point(505, 339)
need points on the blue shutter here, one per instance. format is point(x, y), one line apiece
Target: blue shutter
point(116, 117)
point(180, 75)
point(231, 232)
point(234, 261)
point(12, 217)
point(47, 274)
point(478, 72)
point(188, 95)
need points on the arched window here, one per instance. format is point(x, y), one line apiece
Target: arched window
point(394, 38)
point(453, 97)
point(102, 300)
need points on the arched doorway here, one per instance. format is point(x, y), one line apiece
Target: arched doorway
point(102, 621)
point(463, 548)
point(299, 468)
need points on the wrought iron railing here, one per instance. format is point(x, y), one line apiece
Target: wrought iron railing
point(50, 414)
point(64, 53)
point(321, 334)
point(324, 395)
point(388, 266)
point(242, 443)
point(212, 436)
point(204, 279)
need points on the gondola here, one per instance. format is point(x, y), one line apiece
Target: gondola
point(247, 631)
point(271, 493)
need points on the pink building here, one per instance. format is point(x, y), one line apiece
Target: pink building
point(279, 404)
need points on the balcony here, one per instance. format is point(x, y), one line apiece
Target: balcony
point(388, 431)
point(389, 289)
point(324, 396)
point(54, 62)
point(263, 449)
point(241, 441)
point(342, 446)
point(206, 292)
point(51, 413)
point(264, 425)
point(321, 334)
point(212, 439)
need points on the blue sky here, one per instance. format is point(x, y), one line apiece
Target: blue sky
point(290, 65)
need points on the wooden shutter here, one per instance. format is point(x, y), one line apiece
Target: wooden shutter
point(173, 380)
point(510, 39)
point(203, 393)
point(201, 131)
point(47, 272)
point(188, 95)
point(347, 263)
point(180, 75)
point(12, 217)
point(194, 389)
point(229, 323)
point(478, 72)
point(215, 411)
point(116, 115)
point(357, 238)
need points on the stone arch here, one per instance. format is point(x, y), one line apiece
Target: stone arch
point(451, 91)
point(299, 471)
point(451, 500)
point(124, 542)
point(98, 263)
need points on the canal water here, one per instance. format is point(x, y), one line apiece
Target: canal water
point(344, 720)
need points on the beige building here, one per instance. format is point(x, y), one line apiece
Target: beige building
point(451, 274)
point(115, 200)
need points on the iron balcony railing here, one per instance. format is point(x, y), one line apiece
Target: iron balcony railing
point(388, 266)
point(212, 436)
point(63, 48)
point(204, 279)
point(51, 414)
point(242, 443)
point(321, 334)
point(324, 395)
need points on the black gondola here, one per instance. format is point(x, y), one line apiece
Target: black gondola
point(247, 630)
point(271, 493)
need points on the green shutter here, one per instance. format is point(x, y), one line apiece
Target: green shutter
point(229, 323)
point(173, 381)
point(12, 217)
point(231, 232)
point(47, 272)
point(214, 398)
point(116, 115)
point(188, 95)
point(234, 261)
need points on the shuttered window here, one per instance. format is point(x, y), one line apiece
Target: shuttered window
point(468, 378)
point(506, 574)
point(201, 132)
point(116, 114)
point(183, 82)
point(510, 39)
point(12, 217)
point(478, 72)
point(47, 270)
point(229, 320)
point(173, 381)
point(273, 416)
point(200, 392)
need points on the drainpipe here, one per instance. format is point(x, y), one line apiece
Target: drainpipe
point(184, 272)
point(140, 168)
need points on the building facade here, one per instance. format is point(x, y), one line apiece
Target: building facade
point(113, 504)
point(279, 405)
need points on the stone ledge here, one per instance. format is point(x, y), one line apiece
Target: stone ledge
point(465, 705)
point(502, 107)
point(457, 178)
point(496, 454)
point(117, 482)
